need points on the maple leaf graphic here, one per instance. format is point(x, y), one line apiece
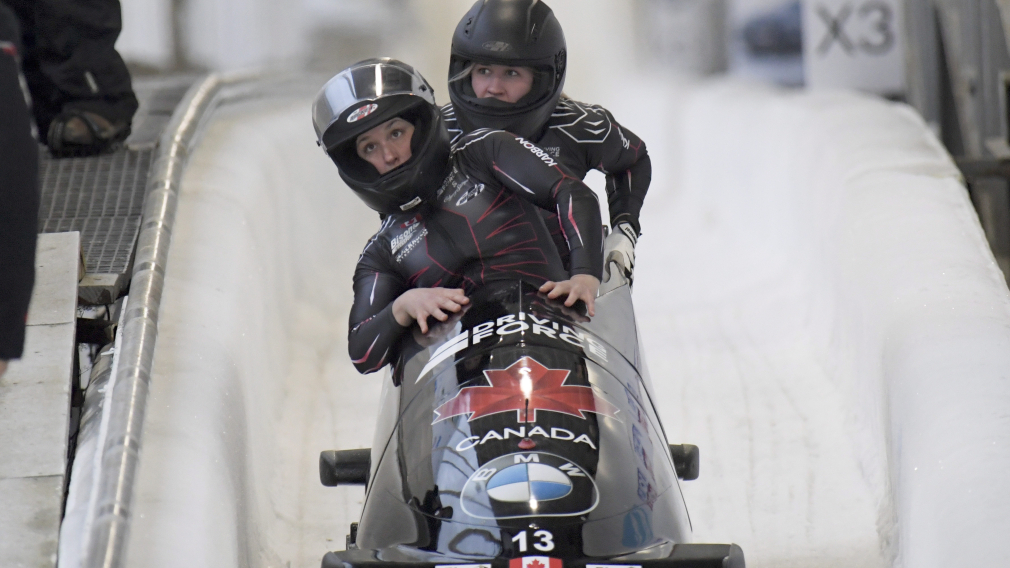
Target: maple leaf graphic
point(535, 564)
point(547, 391)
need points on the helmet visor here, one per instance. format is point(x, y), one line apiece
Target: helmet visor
point(344, 103)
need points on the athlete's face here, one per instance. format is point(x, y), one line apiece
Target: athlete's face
point(387, 146)
point(508, 84)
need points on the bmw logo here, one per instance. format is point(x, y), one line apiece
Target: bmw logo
point(529, 484)
point(525, 481)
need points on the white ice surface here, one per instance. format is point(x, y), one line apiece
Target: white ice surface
point(819, 310)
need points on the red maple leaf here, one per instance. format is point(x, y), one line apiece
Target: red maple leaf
point(546, 391)
point(535, 564)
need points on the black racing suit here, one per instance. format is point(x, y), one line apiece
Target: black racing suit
point(484, 224)
point(19, 195)
point(584, 137)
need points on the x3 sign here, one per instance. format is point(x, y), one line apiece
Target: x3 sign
point(854, 44)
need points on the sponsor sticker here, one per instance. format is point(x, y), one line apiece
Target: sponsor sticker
point(536, 562)
point(529, 484)
point(511, 324)
point(520, 433)
point(637, 528)
point(497, 46)
point(410, 246)
point(411, 204)
point(403, 238)
point(362, 112)
point(525, 387)
point(450, 181)
point(537, 151)
point(474, 192)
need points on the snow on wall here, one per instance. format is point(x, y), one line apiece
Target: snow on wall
point(819, 310)
point(251, 376)
point(920, 327)
point(830, 233)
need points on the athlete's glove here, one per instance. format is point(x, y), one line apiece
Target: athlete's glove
point(619, 248)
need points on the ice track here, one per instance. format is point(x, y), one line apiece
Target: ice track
point(820, 313)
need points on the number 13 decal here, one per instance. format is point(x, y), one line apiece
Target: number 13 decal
point(543, 541)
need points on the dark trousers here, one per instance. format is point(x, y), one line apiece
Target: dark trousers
point(70, 60)
point(19, 195)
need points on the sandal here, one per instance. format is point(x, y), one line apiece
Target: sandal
point(76, 133)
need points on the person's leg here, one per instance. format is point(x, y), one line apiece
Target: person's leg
point(19, 195)
point(45, 96)
point(75, 49)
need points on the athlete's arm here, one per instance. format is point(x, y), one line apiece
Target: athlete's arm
point(622, 156)
point(531, 173)
point(626, 193)
point(373, 331)
point(385, 308)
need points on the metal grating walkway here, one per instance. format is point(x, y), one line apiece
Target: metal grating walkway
point(102, 197)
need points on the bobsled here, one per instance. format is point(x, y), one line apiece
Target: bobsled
point(522, 434)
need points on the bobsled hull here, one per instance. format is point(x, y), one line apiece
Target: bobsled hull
point(523, 432)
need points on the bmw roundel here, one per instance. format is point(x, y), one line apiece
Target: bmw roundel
point(529, 484)
point(524, 481)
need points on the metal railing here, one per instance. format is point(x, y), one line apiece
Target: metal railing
point(107, 523)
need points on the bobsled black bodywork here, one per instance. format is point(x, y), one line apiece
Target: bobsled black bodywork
point(523, 429)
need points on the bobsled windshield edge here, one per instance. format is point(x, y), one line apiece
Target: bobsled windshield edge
point(519, 413)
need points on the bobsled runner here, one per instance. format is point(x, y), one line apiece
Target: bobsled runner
point(522, 434)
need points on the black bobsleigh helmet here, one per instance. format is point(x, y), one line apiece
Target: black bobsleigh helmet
point(517, 33)
point(364, 96)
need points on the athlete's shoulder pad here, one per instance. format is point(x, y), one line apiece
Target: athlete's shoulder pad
point(449, 117)
point(582, 122)
point(466, 140)
point(393, 228)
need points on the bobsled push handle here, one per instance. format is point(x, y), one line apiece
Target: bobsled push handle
point(686, 460)
point(344, 467)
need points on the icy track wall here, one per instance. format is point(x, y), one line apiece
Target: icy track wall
point(251, 377)
point(856, 214)
point(847, 203)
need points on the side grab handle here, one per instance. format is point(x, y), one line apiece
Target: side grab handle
point(686, 460)
point(344, 467)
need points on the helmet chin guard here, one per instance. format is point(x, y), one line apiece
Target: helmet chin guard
point(515, 33)
point(364, 96)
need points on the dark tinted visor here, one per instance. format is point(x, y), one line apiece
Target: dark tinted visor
point(349, 90)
